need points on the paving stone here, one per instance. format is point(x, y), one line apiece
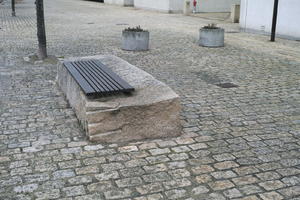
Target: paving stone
point(107, 175)
point(249, 198)
point(26, 188)
point(176, 164)
point(202, 169)
point(101, 186)
point(203, 178)
point(155, 197)
point(185, 140)
point(288, 171)
point(93, 161)
point(289, 192)
point(47, 194)
point(112, 166)
point(4, 159)
point(128, 149)
point(136, 163)
point(20, 171)
point(271, 195)
point(157, 159)
point(245, 180)
point(198, 146)
point(69, 164)
point(155, 168)
point(232, 193)
point(155, 152)
point(118, 158)
point(272, 185)
point(246, 170)
point(145, 146)
point(290, 181)
point(87, 170)
point(71, 150)
point(179, 173)
point(177, 183)
point(80, 180)
point(157, 177)
point(150, 188)
point(57, 184)
point(129, 182)
point(226, 165)
point(39, 177)
point(46, 167)
point(268, 176)
point(166, 143)
point(134, 171)
point(223, 157)
point(20, 163)
point(176, 193)
point(77, 144)
point(223, 174)
point(93, 147)
point(178, 156)
point(90, 197)
point(63, 174)
point(180, 149)
point(221, 185)
point(117, 194)
point(74, 191)
point(200, 190)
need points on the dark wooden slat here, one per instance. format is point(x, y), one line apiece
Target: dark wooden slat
point(90, 78)
point(106, 78)
point(86, 87)
point(114, 76)
point(96, 79)
point(101, 79)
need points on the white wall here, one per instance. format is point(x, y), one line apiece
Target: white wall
point(215, 5)
point(256, 15)
point(176, 6)
point(173, 6)
point(120, 2)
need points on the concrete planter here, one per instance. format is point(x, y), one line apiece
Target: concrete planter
point(211, 37)
point(135, 40)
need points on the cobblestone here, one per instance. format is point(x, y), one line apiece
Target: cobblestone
point(237, 143)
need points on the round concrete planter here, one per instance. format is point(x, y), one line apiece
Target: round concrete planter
point(211, 37)
point(135, 40)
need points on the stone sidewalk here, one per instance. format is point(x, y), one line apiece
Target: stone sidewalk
point(237, 143)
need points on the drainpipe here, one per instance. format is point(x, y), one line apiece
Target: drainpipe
point(274, 22)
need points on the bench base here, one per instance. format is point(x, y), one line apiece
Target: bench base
point(151, 111)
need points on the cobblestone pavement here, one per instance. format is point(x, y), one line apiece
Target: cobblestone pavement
point(237, 143)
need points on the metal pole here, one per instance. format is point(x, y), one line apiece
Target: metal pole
point(41, 32)
point(274, 22)
point(13, 9)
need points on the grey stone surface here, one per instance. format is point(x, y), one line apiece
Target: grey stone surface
point(151, 111)
point(211, 37)
point(220, 124)
point(135, 41)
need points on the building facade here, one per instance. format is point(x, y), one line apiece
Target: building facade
point(215, 5)
point(176, 6)
point(256, 16)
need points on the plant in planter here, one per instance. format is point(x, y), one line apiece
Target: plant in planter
point(135, 39)
point(211, 36)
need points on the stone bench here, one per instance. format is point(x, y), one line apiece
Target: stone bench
point(151, 111)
